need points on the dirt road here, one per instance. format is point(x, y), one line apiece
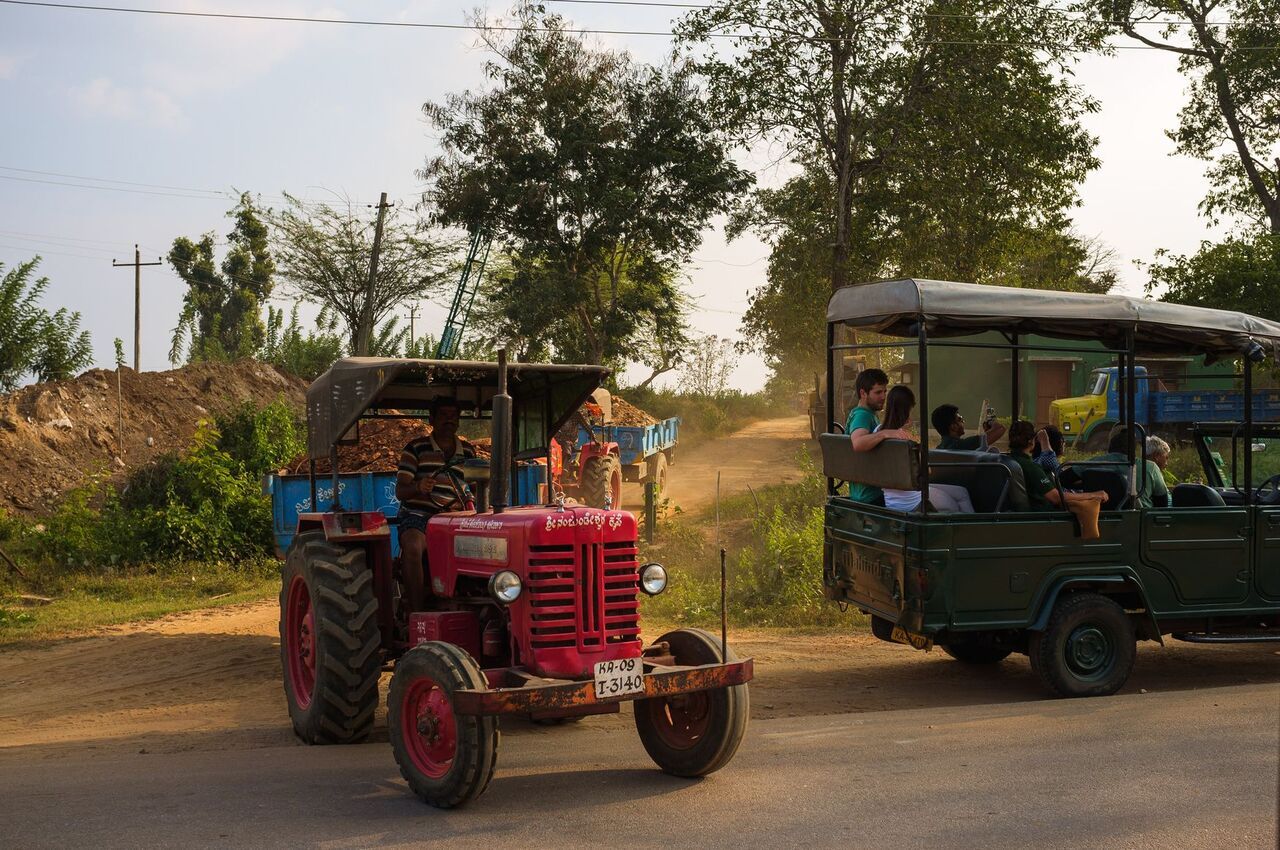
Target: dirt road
point(211, 681)
point(760, 454)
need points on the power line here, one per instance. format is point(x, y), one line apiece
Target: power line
point(299, 19)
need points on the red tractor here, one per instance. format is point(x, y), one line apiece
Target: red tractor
point(533, 609)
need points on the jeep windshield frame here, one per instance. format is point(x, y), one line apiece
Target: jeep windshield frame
point(940, 313)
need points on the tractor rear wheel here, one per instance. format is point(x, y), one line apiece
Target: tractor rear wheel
point(602, 482)
point(447, 758)
point(658, 473)
point(698, 733)
point(329, 641)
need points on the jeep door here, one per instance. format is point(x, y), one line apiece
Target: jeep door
point(1203, 551)
point(1266, 525)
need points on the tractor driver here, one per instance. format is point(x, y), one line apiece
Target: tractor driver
point(428, 482)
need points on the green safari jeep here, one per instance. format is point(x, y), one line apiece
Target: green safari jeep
point(1205, 567)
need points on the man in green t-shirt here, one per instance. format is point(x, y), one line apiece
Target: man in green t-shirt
point(861, 426)
point(1041, 491)
point(949, 424)
point(1153, 492)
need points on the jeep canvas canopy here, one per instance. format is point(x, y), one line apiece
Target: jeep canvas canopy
point(355, 385)
point(895, 307)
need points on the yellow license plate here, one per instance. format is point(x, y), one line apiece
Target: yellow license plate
point(901, 635)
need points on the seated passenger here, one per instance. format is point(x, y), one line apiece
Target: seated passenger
point(949, 424)
point(862, 427)
point(1048, 452)
point(1041, 492)
point(1152, 491)
point(1158, 453)
point(948, 498)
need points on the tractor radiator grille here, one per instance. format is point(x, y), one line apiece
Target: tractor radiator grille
point(583, 595)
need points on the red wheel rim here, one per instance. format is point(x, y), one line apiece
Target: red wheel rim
point(615, 488)
point(300, 639)
point(681, 721)
point(429, 728)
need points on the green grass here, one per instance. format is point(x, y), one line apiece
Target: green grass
point(773, 564)
point(84, 600)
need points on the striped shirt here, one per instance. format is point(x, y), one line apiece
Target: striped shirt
point(423, 458)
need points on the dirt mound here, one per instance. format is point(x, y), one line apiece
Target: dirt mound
point(381, 441)
point(54, 435)
point(626, 413)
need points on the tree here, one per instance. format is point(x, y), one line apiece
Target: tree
point(1238, 274)
point(308, 354)
point(936, 119)
point(324, 252)
point(707, 369)
point(1227, 49)
point(33, 341)
point(597, 175)
point(221, 312)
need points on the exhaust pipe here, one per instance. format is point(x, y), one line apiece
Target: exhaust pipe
point(500, 424)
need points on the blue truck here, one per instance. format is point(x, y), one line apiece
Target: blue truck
point(1086, 420)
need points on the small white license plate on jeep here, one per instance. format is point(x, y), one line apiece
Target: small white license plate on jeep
point(619, 678)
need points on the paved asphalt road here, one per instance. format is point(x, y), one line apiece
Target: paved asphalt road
point(1182, 769)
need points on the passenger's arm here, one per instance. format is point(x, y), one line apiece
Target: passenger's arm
point(864, 441)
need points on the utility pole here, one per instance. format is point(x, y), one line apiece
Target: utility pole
point(413, 314)
point(366, 315)
point(137, 265)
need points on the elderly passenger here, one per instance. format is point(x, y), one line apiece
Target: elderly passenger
point(1158, 453)
point(1152, 490)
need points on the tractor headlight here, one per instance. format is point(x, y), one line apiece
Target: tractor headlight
point(505, 586)
point(1066, 426)
point(653, 579)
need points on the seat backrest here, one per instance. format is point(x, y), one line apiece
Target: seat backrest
point(1111, 479)
point(894, 464)
point(1197, 496)
point(995, 482)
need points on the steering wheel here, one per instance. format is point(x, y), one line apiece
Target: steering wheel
point(461, 492)
point(1272, 498)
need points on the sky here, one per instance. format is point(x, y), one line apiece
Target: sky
point(124, 129)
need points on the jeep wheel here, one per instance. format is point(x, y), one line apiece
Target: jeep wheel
point(976, 650)
point(602, 482)
point(1087, 649)
point(447, 758)
point(698, 733)
point(329, 641)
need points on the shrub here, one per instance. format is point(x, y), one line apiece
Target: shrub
point(261, 440)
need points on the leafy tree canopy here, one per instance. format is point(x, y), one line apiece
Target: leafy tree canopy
point(221, 312)
point(33, 341)
point(598, 176)
point(325, 253)
point(1240, 273)
point(1231, 119)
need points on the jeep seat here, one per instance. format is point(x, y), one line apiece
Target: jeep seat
point(1197, 496)
point(995, 482)
point(1109, 479)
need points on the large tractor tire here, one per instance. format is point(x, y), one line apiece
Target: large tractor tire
point(602, 482)
point(1087, 649)
point(658, 473)
point(447, 758)
point(329, 641)
point(698, 733)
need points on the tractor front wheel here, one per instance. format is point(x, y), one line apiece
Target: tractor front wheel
point(698, 733)
point(329, 641)
point(447, 758)
point(602, 482)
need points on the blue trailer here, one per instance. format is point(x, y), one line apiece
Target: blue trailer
point(368, 491)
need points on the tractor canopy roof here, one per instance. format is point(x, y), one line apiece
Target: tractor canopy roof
point(896, 307)
point(544, 396)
